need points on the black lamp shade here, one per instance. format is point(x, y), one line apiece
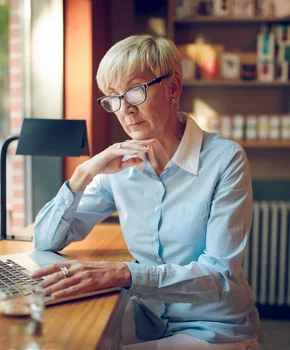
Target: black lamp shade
point(43, 137)
point(53, 137)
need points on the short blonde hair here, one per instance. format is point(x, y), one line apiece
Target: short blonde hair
point(138, 53)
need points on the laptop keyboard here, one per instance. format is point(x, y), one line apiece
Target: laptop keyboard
point(15, 280)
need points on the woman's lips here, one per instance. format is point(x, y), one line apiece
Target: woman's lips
point(136, 124)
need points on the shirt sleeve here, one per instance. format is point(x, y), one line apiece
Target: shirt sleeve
point(70, 216)
point(218, 269)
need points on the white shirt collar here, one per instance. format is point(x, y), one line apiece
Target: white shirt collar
point(188, 152)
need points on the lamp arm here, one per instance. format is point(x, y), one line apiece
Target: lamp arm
point(3, 187)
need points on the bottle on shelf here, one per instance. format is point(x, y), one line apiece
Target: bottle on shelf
point(251, 128)
point(274, 127)
point(285, 127)
point(266, 54)
point(263, 127)
point(238, 127)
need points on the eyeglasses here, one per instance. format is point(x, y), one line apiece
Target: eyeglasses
point(134, 96)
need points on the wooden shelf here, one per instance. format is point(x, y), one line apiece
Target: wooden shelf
point(264, 144)
point(233, 83)
point(232, 20)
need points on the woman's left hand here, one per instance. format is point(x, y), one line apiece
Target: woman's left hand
point(82, 277)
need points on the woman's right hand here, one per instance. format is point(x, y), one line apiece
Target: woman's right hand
point(108, 162)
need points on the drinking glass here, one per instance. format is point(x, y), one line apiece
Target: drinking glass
point(21, 320)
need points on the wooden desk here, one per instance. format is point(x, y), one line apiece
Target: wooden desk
point(91, 323)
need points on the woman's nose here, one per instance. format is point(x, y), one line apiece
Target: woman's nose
point(126, 106)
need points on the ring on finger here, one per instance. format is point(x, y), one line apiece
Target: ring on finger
point(65, 271)
point(120, 145)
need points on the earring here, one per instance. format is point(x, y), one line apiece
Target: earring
point(173, 101)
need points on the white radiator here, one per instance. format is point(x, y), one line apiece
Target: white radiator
point(267, 257)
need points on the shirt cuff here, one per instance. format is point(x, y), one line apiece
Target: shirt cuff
point(75, 193)
point(66, 196)
point(144, 280)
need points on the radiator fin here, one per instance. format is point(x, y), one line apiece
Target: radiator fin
point(267, 257)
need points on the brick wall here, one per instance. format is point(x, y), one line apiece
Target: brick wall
point(16, 197)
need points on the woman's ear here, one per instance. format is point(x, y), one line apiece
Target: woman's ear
point(175, 88)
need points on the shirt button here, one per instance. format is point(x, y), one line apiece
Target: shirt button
point(159, 260)
point(66, 202)
point(156, 208)
point(160, 184)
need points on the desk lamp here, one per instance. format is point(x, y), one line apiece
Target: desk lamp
point(43, 137)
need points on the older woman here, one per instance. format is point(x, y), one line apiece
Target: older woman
point(184, 202)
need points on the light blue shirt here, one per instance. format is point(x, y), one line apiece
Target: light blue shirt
point(187, 228)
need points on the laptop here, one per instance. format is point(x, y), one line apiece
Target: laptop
point(16, 269)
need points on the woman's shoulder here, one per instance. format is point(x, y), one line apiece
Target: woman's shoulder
point(220, 152)
point(216, 142)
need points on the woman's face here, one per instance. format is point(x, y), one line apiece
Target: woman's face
point(153, 117)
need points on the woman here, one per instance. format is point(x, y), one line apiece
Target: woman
point(184, 202)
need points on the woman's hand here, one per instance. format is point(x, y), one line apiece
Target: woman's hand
point(109, 161)
point(82, 277)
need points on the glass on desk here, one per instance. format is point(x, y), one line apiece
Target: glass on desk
point(21, 321)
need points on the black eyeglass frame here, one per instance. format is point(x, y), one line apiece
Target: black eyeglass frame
point(146, 85)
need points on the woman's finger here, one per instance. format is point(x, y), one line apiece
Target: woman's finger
point(134, 147)
point(55, 272)
point(81, 282)
point(127, 149)
point(77, 288)
point(62, 284)
point(139, 142)
point(50, 269)
point(139, 145)
point(52, 279)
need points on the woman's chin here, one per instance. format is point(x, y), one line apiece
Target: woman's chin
point(137, 135)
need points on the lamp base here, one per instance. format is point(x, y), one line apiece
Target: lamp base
point(18, 238)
